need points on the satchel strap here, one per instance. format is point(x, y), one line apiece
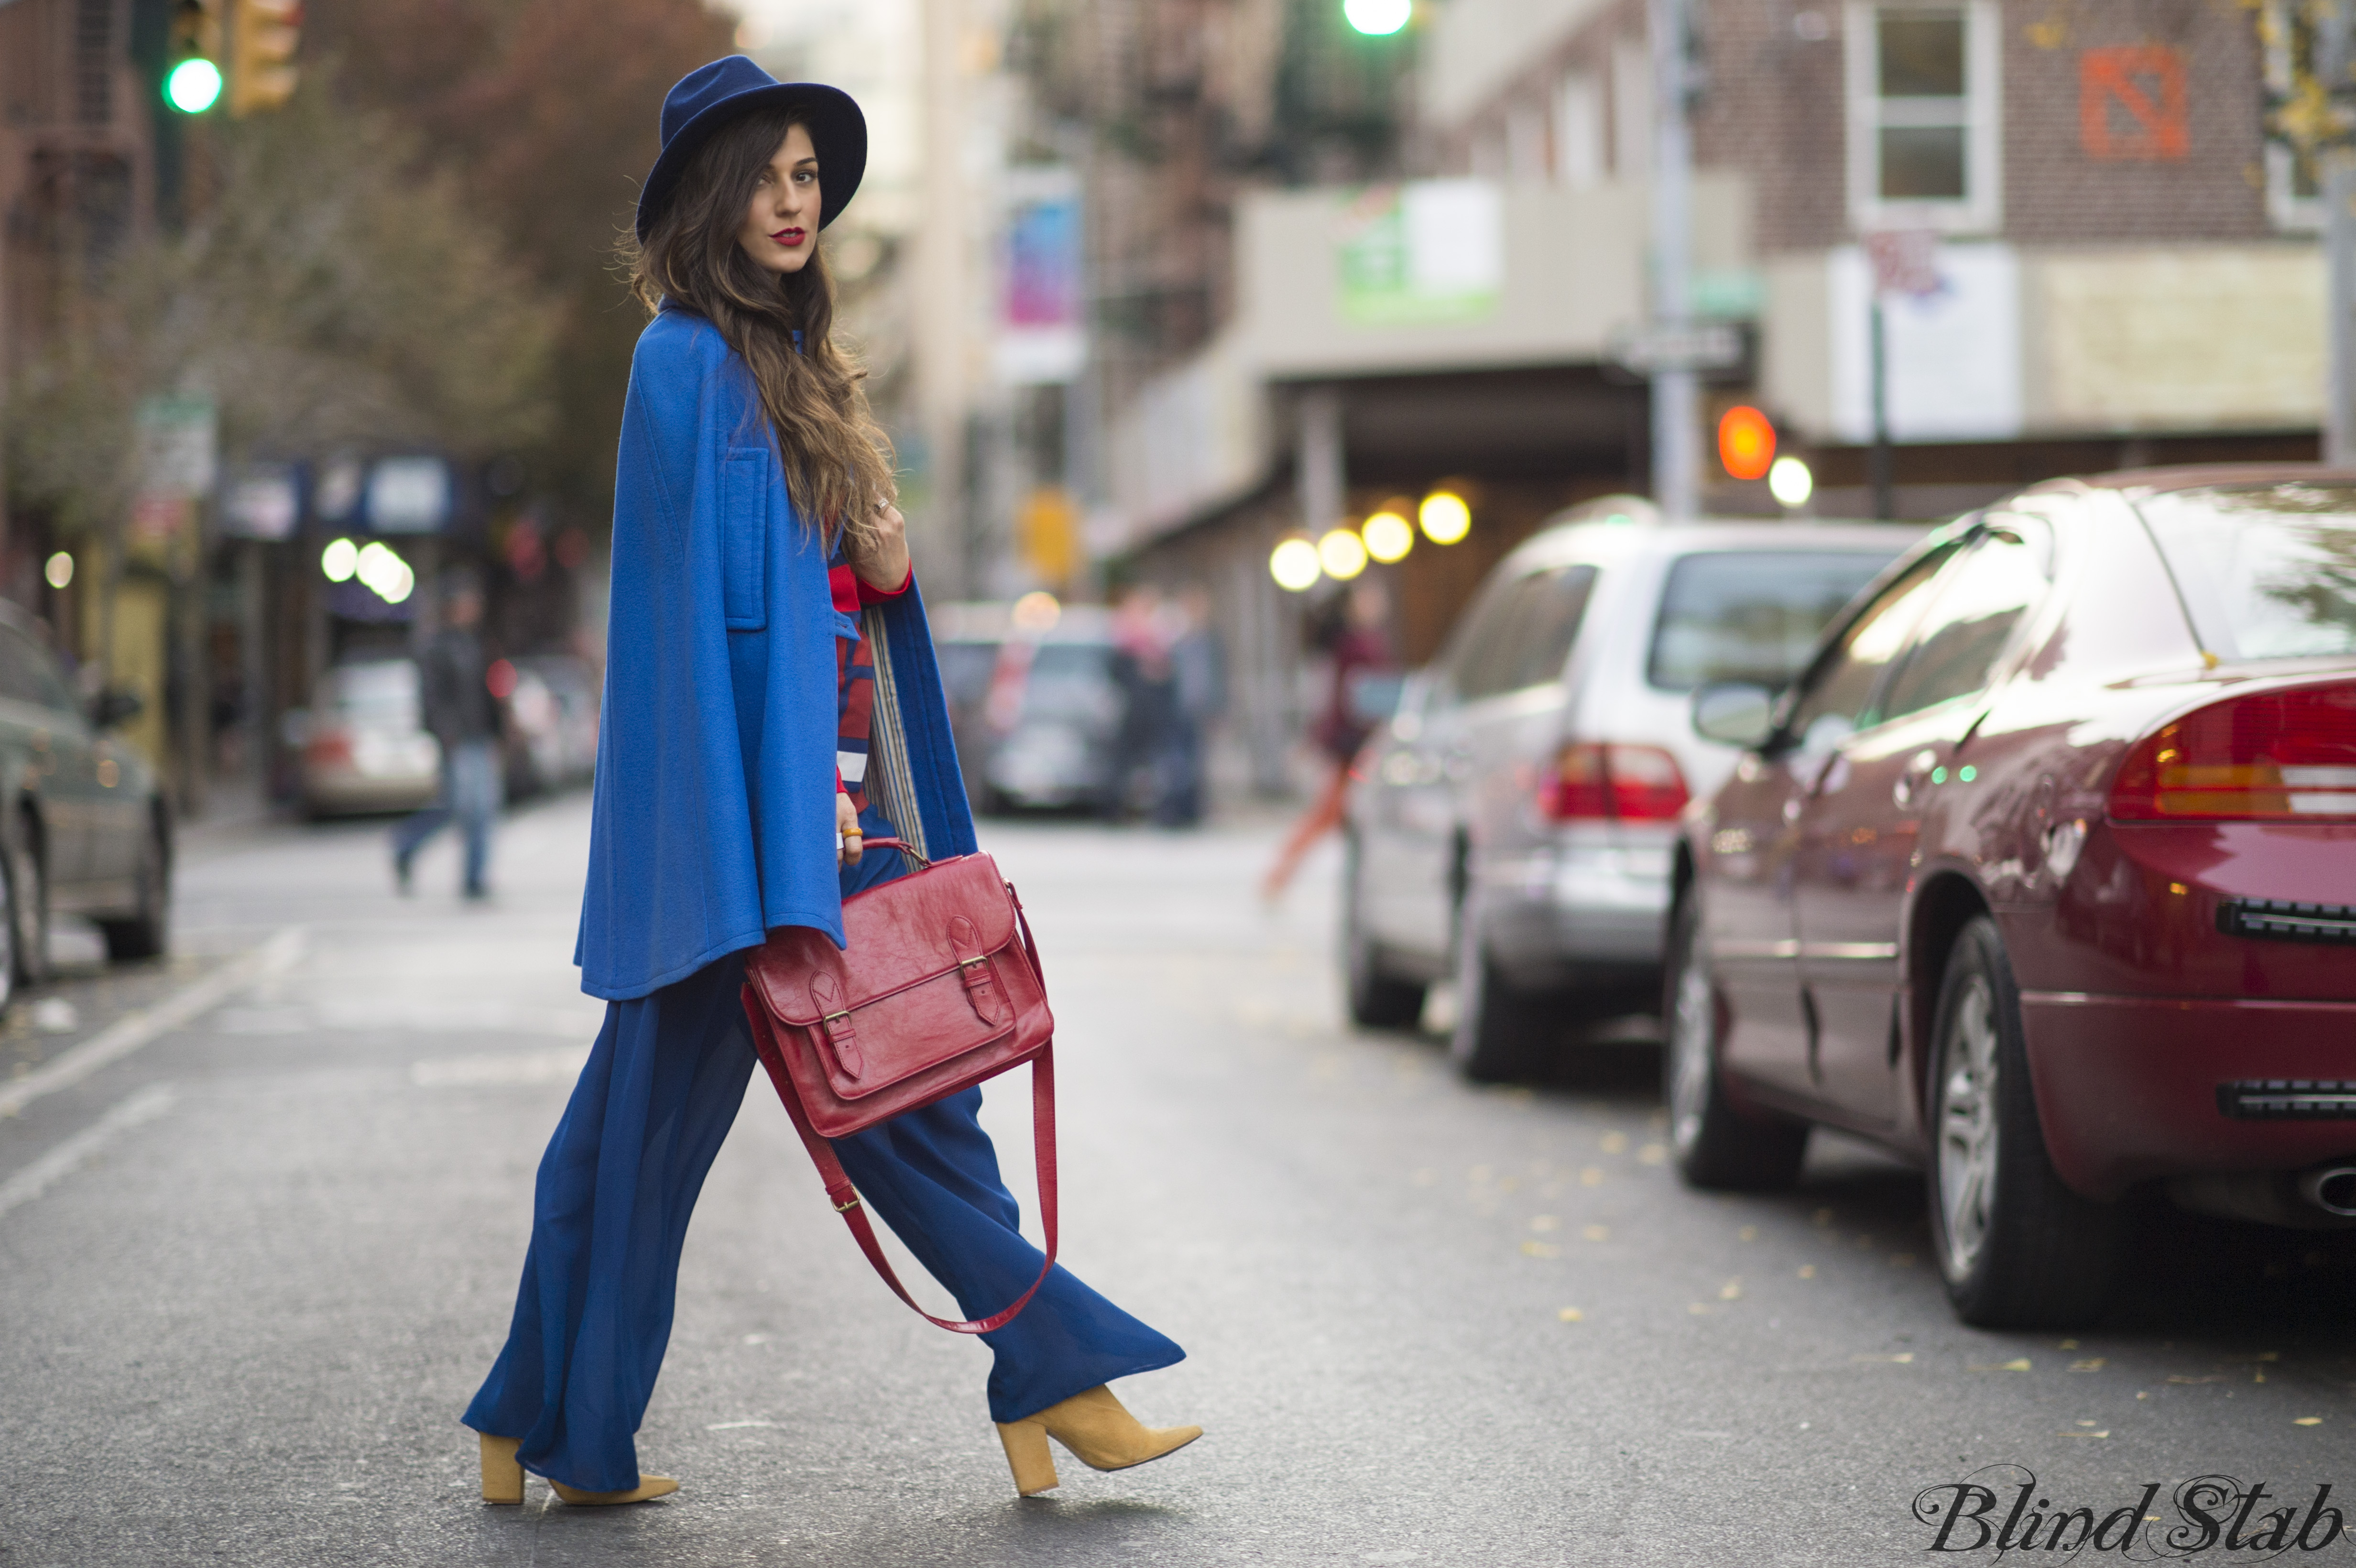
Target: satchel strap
point(845, 1197)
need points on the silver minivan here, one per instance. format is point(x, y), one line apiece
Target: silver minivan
point(1512, 827)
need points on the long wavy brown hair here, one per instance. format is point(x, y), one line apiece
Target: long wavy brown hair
point(839, 462)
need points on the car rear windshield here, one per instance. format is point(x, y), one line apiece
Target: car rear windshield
point(1751, 614)
point(385, 692)
point(2268, 572)
point(1071, 681)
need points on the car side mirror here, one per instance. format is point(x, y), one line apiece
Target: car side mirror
point(1735, 714)
point(115, 707)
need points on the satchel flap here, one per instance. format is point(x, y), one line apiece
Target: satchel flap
point(902, 933)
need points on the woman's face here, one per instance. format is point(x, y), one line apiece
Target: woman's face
point(780, 226)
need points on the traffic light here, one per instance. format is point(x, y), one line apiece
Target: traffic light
point(1746, 442)
point(192, 58)
point(264, 35)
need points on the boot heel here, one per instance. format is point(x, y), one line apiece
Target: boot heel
point(1027, 1455)
point(502, 1477)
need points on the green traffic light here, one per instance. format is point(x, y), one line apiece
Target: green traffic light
point(1379, 18)
point(193, 85)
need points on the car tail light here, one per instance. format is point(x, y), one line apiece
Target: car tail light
point(329, 748)
point(2276, 756)
point(1594, 781)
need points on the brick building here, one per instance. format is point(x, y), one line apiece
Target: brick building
point(2128, 272)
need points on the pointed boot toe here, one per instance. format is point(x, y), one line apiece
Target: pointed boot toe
point(649, 1489)
point(1103, 1435)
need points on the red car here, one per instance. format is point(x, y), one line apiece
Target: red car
point(2043, 875)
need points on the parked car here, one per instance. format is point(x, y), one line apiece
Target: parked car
point(364, 744)
point(1512, 824)
point(1036, 709)
point(87, 830)
point(2043, 876)
point(551, 712)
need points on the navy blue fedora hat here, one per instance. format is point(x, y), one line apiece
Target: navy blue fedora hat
point(710, 96)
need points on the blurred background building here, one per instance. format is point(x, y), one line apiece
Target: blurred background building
point(1146, 287)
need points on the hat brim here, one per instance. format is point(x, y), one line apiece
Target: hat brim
point(838, 129)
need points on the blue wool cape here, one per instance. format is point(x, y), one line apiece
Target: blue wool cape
point(713, 818)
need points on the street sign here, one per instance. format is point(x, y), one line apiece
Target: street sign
point(1664, 346)
point(1905, 261)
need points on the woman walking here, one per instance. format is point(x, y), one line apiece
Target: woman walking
point(771, 700)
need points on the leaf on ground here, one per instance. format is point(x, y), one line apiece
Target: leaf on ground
point(1701, 1308)
point(1653, 1154)
point(1615, 1143)
point(2081, 1434)
point(2067, 1345)
point(1571, 1315)
point(2091, 1364)
point(1591, 1176)
point(2181, 1378)
point(1807, 1270)
point(1541, 1250)
point(1901, 1359)
point(2020, 1366)
point(2306, 1421)
point(1544, 1222)
point(1748, 1234)
point(1731, 1291)
point(1597, 1233)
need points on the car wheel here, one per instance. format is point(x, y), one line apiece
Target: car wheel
point(1715, 1144)
point(147, 933)
point(1501, 1033)
point(1375, 999)
point(2018, 1248)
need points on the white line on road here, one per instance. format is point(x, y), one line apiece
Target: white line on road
point(32, 1180)
point(132, 1030)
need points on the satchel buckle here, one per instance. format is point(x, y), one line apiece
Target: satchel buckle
point(845, 1207)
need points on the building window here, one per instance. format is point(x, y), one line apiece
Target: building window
point(2294, 187)
point(1924, 148)
point(1577, 131)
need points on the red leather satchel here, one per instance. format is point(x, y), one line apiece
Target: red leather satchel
point(939, 990)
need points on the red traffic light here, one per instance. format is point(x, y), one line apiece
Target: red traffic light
point(1746, 442)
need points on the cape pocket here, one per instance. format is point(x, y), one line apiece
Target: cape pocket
point(744, 537)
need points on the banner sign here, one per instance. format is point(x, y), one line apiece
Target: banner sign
point(1043, 309)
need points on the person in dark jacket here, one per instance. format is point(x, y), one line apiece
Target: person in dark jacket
point(455, 682)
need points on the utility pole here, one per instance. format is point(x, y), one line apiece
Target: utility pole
point(1676, 388)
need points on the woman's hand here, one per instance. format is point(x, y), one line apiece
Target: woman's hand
point(883, 564)
point(846, 823)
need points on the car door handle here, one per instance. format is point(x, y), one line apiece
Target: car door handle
point(1918, 766)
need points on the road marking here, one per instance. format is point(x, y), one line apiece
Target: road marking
point(37, 1178)
point(132, 1030)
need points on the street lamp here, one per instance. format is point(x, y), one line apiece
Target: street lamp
point(1379, 18)
point(1295, 566)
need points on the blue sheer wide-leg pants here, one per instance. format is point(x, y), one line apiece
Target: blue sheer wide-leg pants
point(620, 1179)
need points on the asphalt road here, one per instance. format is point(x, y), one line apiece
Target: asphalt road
point(251, 1269)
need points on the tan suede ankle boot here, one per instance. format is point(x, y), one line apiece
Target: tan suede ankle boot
point(1097, 1428)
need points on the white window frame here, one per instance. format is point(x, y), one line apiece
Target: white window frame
point(1981, 211)
point(2285, 207)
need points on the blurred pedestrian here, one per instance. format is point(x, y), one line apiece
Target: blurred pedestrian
point(453, 679)
point(1142, 673)
point(1359, 648)
point(753, 508)
point(1198, 667)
